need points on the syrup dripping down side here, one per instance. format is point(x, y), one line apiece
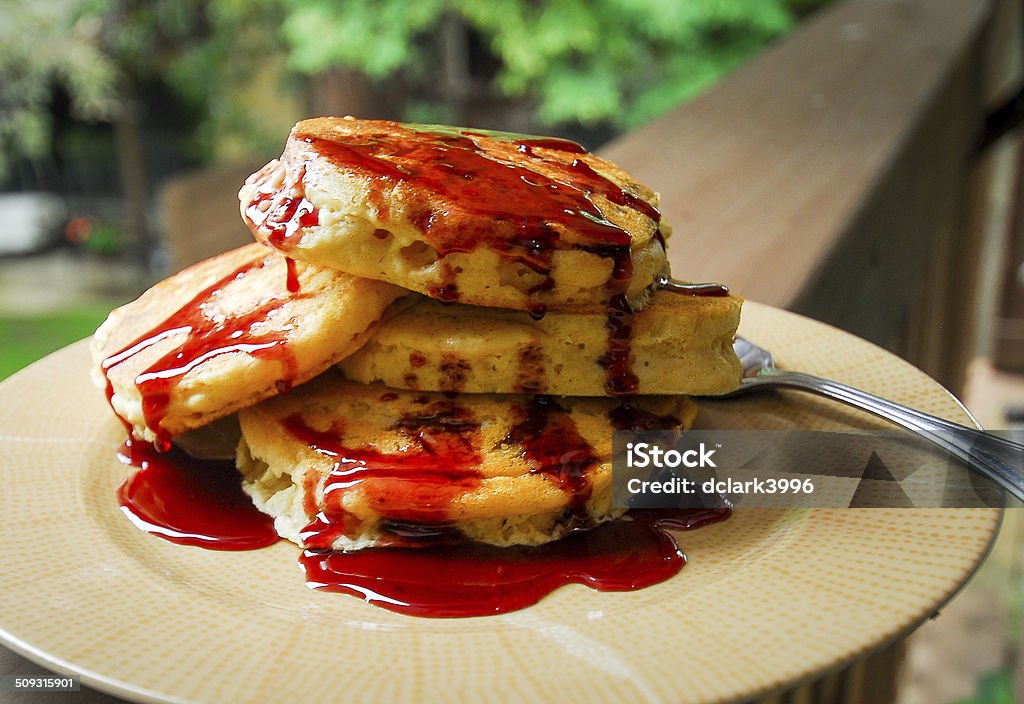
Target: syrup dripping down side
point(412, 488)
point(203, 337)
point(554, 447)
point(292, 277)
point(711, 290)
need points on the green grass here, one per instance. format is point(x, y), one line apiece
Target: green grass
point(26, 338)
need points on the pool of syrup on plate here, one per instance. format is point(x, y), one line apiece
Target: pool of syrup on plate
point(424, 571)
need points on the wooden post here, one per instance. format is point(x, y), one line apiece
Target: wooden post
point(134, 186)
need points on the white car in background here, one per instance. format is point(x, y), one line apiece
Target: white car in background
point(30, 222)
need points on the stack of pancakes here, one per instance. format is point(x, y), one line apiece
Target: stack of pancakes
point(433, 338)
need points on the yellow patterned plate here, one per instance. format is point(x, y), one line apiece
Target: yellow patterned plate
point(768, 598)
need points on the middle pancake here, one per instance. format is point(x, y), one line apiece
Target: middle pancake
point(347, 466)
point(678, 344)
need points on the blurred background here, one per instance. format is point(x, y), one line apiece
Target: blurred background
point(127, 126)
point(858, 161)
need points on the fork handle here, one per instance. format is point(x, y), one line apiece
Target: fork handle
point(996, 458)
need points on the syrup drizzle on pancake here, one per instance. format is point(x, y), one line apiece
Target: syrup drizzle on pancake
point(292, 277)
point(201, 503)
point(550, 441)
point(703, 289)
point(415, 485)
point(619, 377)
point(521, 201)
point(669, 284)
point(206, 335)
point(282, 213)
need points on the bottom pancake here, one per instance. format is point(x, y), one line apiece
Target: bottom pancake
point(348, 466)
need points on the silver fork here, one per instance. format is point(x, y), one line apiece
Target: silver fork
point(996, 458)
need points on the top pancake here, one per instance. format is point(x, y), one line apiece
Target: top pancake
point(226, 333)
point(484, 218)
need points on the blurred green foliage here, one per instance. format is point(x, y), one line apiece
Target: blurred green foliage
point(993, 688)
point(613, 62)
point(105, 240)
point(622, 61)
point(42, 45)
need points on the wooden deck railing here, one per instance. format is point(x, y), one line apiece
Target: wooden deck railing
point(838, 175)
point(831, 174)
